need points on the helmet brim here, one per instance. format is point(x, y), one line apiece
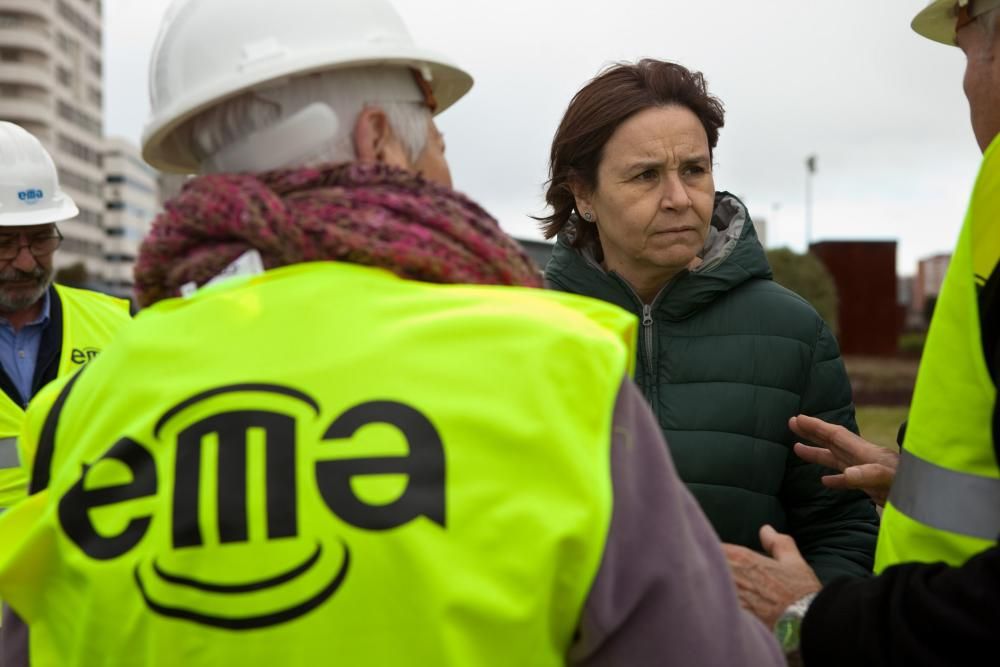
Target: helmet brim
point(936, 22)
point(66, 210)
point(165, 146)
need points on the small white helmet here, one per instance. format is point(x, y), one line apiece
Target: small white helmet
point(937, 21)
point(209, 51)
point(29, 184)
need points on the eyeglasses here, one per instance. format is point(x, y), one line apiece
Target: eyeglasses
point(968, 11)
point(425, 89)
point(963, 15)
point(38, 244)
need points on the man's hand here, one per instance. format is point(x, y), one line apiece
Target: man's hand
point(766, 586)
point(862, 465)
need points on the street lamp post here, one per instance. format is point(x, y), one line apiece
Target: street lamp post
point(810, 170)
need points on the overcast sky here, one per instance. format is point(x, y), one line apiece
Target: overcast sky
point(846, 80)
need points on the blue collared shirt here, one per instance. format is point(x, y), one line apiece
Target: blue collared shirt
point(19, 349)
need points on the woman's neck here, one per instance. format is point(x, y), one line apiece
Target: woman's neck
point(646, 284)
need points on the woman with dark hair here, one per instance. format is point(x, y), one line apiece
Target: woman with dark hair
point(726, 356)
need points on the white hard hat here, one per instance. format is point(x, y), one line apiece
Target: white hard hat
point(29, 184)
point(938, 19)
point(211, 50)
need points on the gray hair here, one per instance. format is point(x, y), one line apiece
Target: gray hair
point(348, 92)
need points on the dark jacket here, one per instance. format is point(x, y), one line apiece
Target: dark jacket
point(49, 350)
point(725, 357)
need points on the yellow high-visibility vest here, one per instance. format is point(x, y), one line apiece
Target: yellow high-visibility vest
point(89, 321)
point(945, 501)
point(324, 463)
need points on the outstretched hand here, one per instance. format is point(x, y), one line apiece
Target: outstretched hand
point(862, 465)
point(766, 586)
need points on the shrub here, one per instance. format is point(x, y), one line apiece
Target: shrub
point(806, 276)
point(912, 343)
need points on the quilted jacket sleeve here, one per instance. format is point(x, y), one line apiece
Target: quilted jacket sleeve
point(835, 530)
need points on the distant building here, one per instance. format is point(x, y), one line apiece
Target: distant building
point(912, 320)
point(870, 316)
point(170, 185)
point(131, 202)
point(51, 84)
point(760, 226)
point(539, 251)
point(927, 284)
point(904, 290)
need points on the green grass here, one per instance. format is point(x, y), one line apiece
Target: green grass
point(882, 380)
point(912, 343)
point(880, 423)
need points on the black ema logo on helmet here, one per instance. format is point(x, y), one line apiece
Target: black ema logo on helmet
point(314, 560)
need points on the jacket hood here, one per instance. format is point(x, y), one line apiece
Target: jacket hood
point(731, 256)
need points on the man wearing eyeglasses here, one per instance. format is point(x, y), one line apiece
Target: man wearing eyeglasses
point(46, 330)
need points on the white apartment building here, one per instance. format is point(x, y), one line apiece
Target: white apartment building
point(131, 202)
point(51, 84)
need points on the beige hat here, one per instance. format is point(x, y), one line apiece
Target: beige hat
point(937, 21)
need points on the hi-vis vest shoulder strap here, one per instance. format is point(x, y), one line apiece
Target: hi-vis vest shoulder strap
point(945, 501)
point(325, 460)
point(89, 321)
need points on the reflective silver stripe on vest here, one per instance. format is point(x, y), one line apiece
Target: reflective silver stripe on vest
point(952, 501)
point(8, 453)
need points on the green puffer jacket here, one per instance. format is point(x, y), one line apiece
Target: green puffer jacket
point(725, 357)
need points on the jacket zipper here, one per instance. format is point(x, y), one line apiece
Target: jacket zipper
point(647, 338)
point(647, 330)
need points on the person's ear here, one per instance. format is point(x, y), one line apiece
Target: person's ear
point(584, 199)
point(374, 140)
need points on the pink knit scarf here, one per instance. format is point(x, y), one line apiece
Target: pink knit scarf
point(367, 214)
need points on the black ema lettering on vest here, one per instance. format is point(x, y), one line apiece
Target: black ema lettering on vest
point(423, 467)
point(82, 356)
